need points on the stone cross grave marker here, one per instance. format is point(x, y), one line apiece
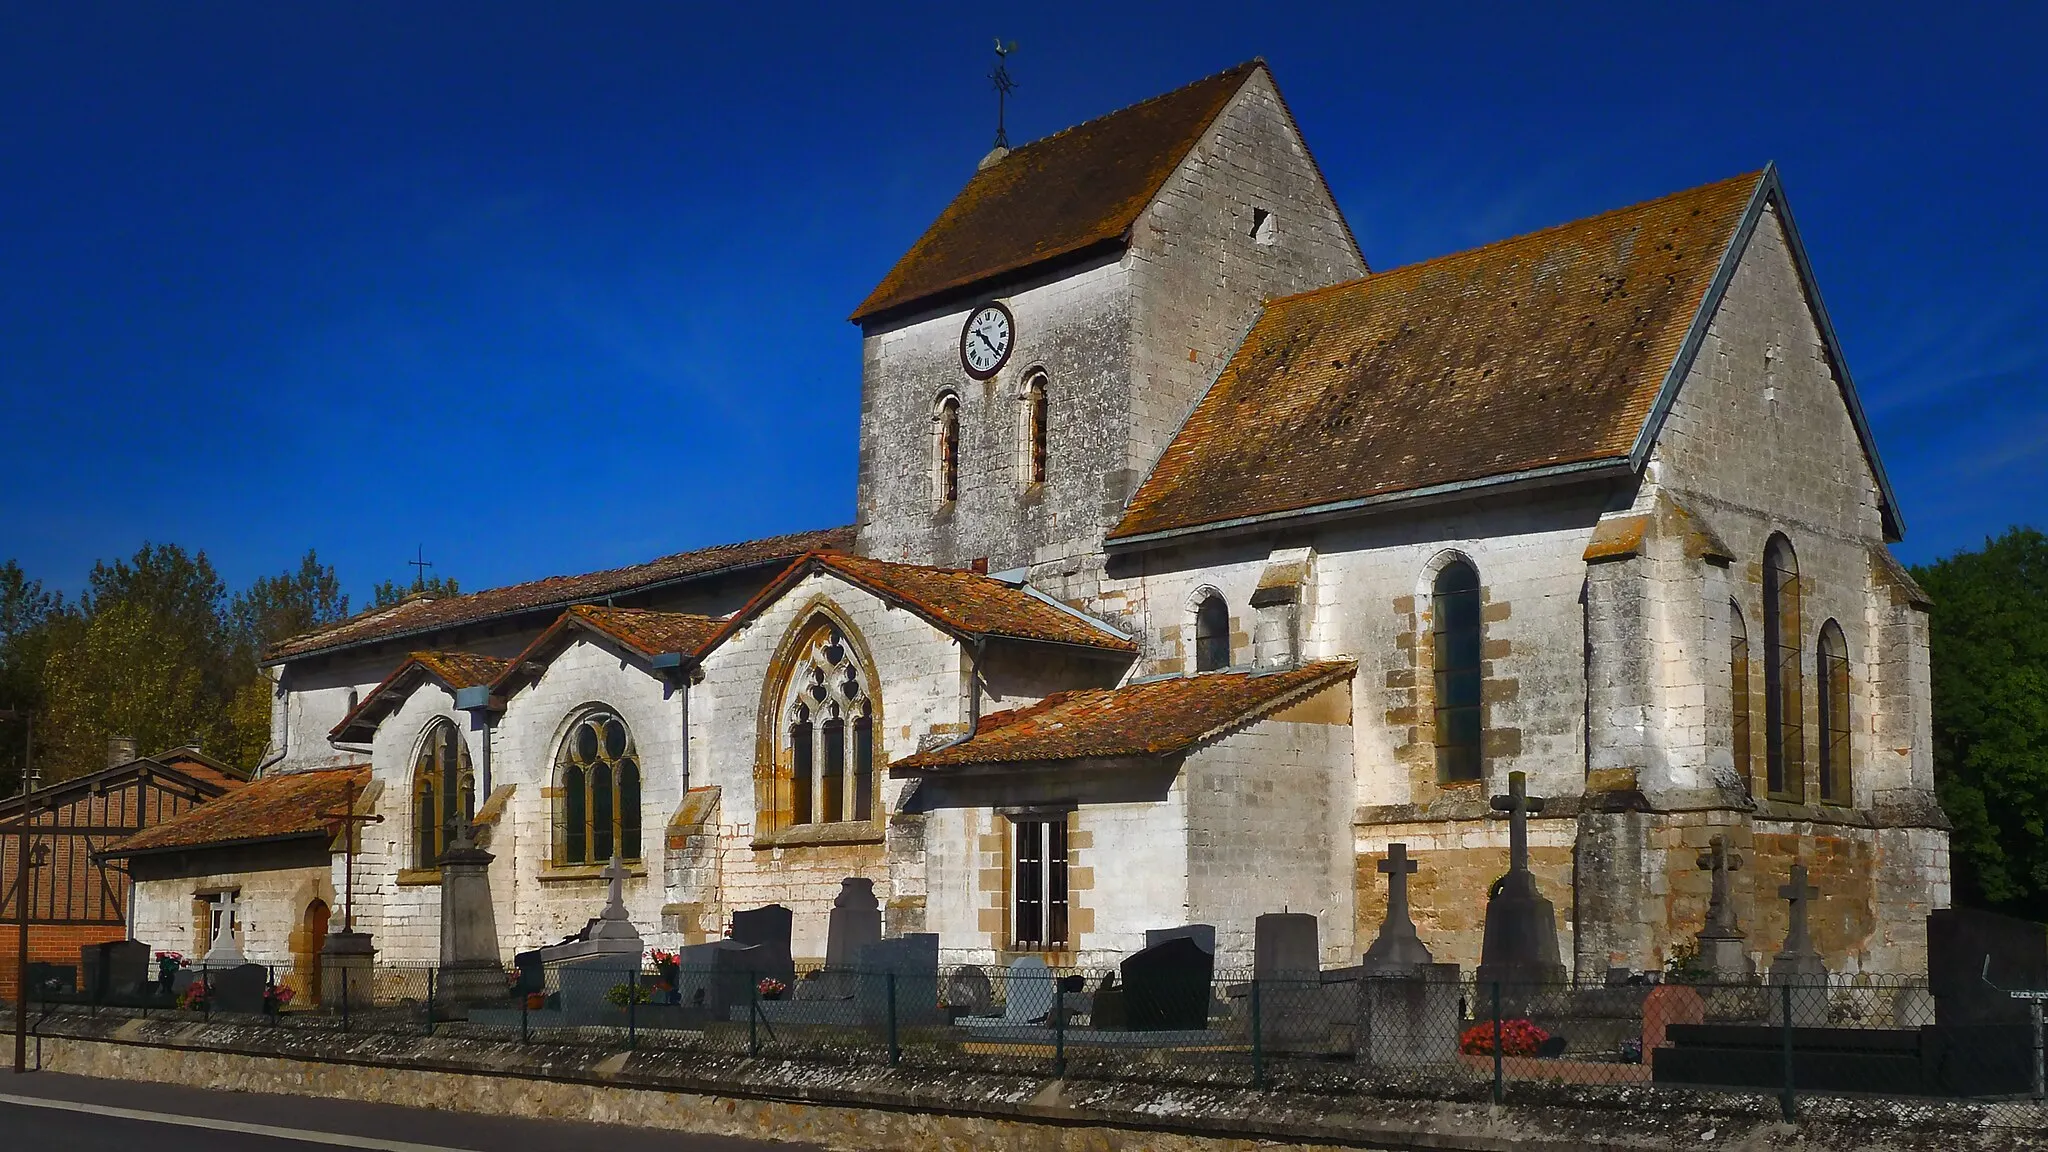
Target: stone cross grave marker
point(1798, 964)
point(1519, 950)
point(614, 923)
point(222, 951)
point(1722, 942)
point(1397, 946)
point(1797, 893)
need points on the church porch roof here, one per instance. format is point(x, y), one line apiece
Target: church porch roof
point(287, 806)
point(1056, 197)
point(421, 615)
point(1145, 718)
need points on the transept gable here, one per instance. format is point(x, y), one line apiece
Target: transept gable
point(656, 641)
point(454, 671)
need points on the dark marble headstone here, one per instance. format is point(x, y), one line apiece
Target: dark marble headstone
point(51, 979)
point(1286, 946)
point(533, 972)
point(114, 969)
point(856, 922)
point(720, 975)
point(1974, 956)
point(1519, 950)
point(1167, 987)
point(1202, 934)
point(911, 963)
point(768, 930)
point(239, 989)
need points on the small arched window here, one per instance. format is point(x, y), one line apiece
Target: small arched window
point(1738, 691)
point(1455, 624)
point(597, 775)
point(825, 772)
point(1784, 734)
point(1831, 668)
point(1034, 429)
point(946, 449)
point(443, 793)
point(1212, 634)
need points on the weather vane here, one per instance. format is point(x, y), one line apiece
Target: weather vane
point(1004, 86)
point(419, 564)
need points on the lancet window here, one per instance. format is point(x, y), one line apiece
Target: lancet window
point(443, 793)
point(825, 766)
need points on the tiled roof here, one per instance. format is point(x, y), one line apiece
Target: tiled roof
point(1148, 718)
point(647, 632)
point(1057, 196)
point(964, 603)
point(271, 808)
point(415, 616)
point(456, 670)
point(1545, 350)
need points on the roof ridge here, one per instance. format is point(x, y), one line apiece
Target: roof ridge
point(1517, 238)
point(1246, 66)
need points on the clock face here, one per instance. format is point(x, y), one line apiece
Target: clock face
point(985, 342)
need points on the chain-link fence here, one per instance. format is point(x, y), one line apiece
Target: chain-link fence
point(1411, 1036)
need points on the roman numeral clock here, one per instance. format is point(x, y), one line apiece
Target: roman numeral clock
point(986, 340)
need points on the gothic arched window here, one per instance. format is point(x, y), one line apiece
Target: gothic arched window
point(825, 761)
point(443, 793)
point(1212, 634)
point(1784, 734)
point(597, 791)
point(1738, 691)
point(1454, 614)
point(1831, 669)
point(946, 449)
point(1034, 429)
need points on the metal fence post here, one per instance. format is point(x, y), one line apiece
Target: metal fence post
point(430, 1001)
point(526, 1002)
point(2040, 1071)
point(1258, 1039)
point(1499, 1079)
point(206, 996)
point(1059, 1029)
point(1789, 1099)
point(346, 996)
point(754, 1018)
point(633, 1007)
point(895, 1049)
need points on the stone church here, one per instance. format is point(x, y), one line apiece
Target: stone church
point(1196, 562)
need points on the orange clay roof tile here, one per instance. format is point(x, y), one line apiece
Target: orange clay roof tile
point(277, 807)
point(1148, 718)
point(1057, 196)
point(1547, 349)
point(977, 605)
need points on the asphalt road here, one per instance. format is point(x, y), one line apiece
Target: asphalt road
point(46, 1112)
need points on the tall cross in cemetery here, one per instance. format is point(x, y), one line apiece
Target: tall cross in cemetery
point(1720, 912)
point(1519, 806)
point(1397, 944)
point(349, 820)
point(1798, 892)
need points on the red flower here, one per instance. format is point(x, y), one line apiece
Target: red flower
point(1517, 1038)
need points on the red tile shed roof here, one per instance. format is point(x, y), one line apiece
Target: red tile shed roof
point(285, 806)
point(1149, 718)
point(1545, 350)
point(1057, 196)
point(413, 617)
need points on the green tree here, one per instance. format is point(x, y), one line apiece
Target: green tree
point(129, 671)
point(287, 604)
point(1988, 640)
point(389, 592)
point(30, 617)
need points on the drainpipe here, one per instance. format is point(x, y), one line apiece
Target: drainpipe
point(477, 702)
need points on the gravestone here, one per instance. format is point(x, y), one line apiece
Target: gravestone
point(1295, 1007)
point(1798, 964)
point(1519, 950)
point(1973, 957)
point(223, 951)
point(471, 969)
point(1724, 946)
point(586, 985)
point(856, 922)
point(1106, 1007)
point(113, 970)
point(1286, 946)
point(347, 970)
point(52, 979)
point(1408, 1009)
point(911, 963)
point(721, 975)
point(1668, 1004)
point(768, 929)
point(238, 989)
point(968, 992)
point(1397, 947)
point(1202, 934)
point(1027, 991)
point(1167, 987)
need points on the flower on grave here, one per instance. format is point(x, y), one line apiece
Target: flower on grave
point(177, 958)
point(1517, 1038)
point(278, 995)
point(194, 998)
point(771, 988)
point(662, 958)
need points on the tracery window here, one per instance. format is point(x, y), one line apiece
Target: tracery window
point(1738, 691)
point(443, 793)
point(1831, 668)
point(597, 791)
point(1034, 429)
point(1784, 733)
point(1454, 612)
point(1212, 634)
point(825, 762)
point(946, 449)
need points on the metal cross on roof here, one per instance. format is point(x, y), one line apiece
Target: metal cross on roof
point(419, 565)
point(1004, 86)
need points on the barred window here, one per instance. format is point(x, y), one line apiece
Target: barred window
point(1454, 610)
point(1784, 733)
point(1831, 668)
point(1039, 912)
point(597, 782)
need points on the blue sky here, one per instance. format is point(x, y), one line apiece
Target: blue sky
point(554, 287)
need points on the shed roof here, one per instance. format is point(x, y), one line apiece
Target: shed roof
point(285, 806)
